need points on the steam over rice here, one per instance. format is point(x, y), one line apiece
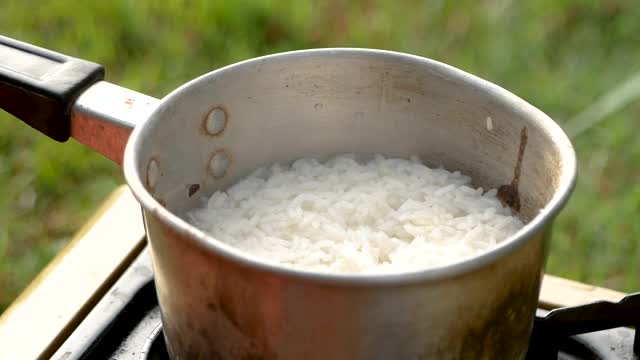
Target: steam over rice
point(345, 216)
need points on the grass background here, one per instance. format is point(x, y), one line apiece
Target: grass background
point(559, 55)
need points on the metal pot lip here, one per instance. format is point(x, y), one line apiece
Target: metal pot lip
point(200, 239)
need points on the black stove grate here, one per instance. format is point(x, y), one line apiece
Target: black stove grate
point(126, 325)
point(553, 327)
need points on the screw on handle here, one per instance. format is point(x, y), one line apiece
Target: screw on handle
point(39, 86)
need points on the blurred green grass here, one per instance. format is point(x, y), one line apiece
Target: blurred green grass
point(558, 55)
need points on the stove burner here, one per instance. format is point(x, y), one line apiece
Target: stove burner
point(551, 328)
point(126, 325)
point(615, 343)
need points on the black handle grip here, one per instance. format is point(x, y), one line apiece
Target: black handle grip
point(39, 86)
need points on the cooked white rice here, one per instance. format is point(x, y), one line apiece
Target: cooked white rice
point(345, 216)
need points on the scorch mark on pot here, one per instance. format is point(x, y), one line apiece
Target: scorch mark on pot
point(215, 122)
point(212, 307)
point(500, 331)
point(508, 194)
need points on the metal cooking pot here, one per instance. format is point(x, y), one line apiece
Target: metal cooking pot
point(205, 135)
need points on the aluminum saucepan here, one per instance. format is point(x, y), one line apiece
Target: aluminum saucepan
point(218, 303)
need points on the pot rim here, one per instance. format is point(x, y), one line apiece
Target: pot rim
point(199, 238)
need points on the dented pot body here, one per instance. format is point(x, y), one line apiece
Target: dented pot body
point(218, 303)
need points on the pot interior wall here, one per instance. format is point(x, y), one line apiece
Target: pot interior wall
point(325, 103)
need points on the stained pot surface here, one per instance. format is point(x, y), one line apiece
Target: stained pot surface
point(317, 103)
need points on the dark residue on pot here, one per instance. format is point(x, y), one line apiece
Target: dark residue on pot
point(508, 194)
point(193, 188)
point(212, 307)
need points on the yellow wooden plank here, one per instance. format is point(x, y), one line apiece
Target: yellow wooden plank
point(559, 292)
point(37, 323)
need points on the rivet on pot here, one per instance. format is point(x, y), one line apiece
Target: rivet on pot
point(489, 122)
point(153, 172)
point(219, 163)
point(215, 121)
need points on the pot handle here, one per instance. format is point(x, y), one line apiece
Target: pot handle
point(39, 86)
point(62, 96)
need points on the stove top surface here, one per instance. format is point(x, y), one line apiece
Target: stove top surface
point(126, 324)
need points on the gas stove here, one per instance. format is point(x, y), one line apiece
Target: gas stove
point(119, 317)
point(126, 324)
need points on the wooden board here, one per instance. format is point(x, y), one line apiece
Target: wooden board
point(559, 292)
point(37, 323)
